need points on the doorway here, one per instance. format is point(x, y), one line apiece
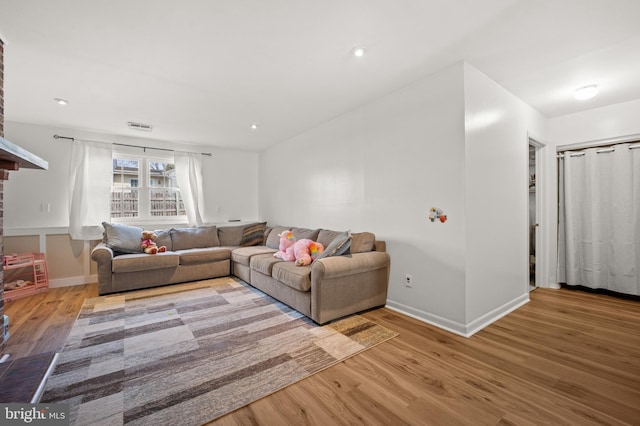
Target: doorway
point(533, 207)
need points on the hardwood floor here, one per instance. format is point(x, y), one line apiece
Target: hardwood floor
point(567, 357)
point(41, 323)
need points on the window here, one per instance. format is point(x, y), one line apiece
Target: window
point(145, 188)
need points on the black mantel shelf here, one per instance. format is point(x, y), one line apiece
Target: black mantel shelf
point(13, 153)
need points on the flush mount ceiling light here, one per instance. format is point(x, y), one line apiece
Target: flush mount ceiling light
point(254, 126)
point(139, 126)
point(61, 101)
point(359, 52)
point(586, 92)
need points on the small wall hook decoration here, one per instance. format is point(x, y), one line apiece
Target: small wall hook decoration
point(437, 214)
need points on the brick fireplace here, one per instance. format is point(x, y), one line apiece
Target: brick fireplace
point(1, 197)
point(12, 158)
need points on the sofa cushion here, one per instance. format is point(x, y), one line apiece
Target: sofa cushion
point(296, 277)
point(230, 235)
point(273, 238)
point(253, 234)
point(326, 236)
point(300, 233)
point(340, 245)
point(264, 263)
point(200, 237)
point(144, 262)
point(122, 238)
point(164, 239)
point(203, 255)
point(362, 242)
point(243, 255)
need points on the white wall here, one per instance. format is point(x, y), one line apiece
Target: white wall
point(608, 122)
point(454, 140)
point(380, 168)
point(230, 178)
point(496, 197)
point(28, 191)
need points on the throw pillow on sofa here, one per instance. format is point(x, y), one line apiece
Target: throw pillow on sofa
point(122, 238)
point(253, 234)
point(338, 246)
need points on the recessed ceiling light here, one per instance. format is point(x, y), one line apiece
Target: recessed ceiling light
point(359, 51)
point(586, 92)
point(61, 101)
point(254, 126)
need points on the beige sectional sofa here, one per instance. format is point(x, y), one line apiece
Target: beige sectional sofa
point(329, 288)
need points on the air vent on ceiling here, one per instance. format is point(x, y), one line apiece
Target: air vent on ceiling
point(140, 126)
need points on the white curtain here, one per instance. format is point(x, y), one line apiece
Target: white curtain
point(90, 178)
point(600, 217)
point(189, 179)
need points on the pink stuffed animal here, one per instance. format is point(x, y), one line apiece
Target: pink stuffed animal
point(306, 251)
point(286, 246)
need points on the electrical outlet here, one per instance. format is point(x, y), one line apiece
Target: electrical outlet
point(408, 280)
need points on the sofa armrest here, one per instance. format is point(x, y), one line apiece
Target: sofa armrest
point(342, 266)
point(103, 256)
point(379, 245)
point(343, 285)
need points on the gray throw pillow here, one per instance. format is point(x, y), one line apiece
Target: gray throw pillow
point(122, 238)
point(338, 246)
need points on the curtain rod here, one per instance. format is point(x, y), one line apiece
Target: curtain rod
point(208, 154)
point(604, 149)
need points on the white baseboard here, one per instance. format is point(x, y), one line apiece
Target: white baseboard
point(435, 320)
point(71, 281)
point(464, 330)
point(493, 316)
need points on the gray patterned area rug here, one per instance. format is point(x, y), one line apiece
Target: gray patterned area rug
point(187, 354)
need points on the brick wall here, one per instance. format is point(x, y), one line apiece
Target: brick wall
point(3, 174)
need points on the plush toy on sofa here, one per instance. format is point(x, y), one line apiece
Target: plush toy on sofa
point(306, 251)
point(148, 245)
point(285, 251)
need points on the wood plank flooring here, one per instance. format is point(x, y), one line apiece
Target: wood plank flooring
point(42, 322)
point(567, 357)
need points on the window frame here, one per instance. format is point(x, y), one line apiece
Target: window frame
point(144, 188)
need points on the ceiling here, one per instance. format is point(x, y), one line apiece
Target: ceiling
point(202, 71)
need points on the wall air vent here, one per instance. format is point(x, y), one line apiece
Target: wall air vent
point(139, 126)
